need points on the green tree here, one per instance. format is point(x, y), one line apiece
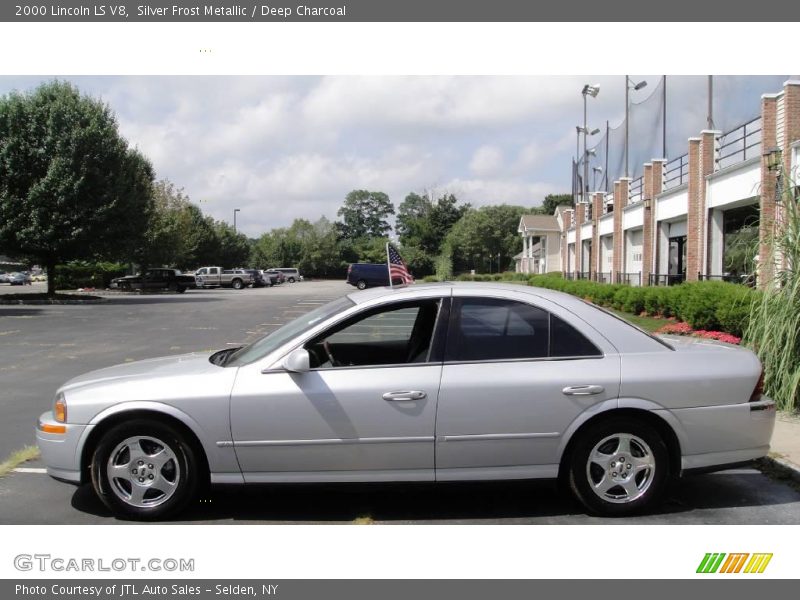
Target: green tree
point(364, 214)
point(70, 187)
point(553, 201)
point(234, 247)
point(486, 239)
point(425, 224)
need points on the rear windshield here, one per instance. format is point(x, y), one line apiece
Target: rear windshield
point(629, 324)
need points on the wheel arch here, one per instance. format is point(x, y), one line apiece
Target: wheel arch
point(104, 422)
point(656, 419)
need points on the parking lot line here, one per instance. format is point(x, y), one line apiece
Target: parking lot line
point(30, 470)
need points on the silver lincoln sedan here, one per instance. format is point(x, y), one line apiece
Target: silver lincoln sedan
point(440, 382)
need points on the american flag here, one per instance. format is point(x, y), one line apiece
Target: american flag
point(397, 267)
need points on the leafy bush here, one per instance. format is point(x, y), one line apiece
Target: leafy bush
point(80, 274)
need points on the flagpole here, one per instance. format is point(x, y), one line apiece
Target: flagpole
point(388, 265)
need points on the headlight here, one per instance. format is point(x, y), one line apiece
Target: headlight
point(60, 408)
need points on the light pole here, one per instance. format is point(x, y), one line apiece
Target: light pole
point(629, 85)
point(235, 210)
point(588, 90)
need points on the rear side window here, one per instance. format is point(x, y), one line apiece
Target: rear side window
point(486, 329)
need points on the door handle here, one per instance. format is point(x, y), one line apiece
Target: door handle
point(408, 396)
point(583, 390)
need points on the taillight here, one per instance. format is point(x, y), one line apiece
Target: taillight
point(759, 389)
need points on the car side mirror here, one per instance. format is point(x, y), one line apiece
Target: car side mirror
point(298, 361)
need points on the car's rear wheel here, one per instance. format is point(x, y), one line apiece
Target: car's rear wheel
point(361, 284)
point(144, 470)
point(172, 287)
point(619, 467)
point(181, 289)
point(291, 279)
point(237, 284)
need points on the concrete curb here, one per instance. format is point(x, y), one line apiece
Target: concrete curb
point(783, 466)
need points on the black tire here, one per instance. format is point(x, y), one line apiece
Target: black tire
point(361, 284)
point(291, 279)
point(179, 473)
point(181, 289)
point(172, 287)
point(237, 284)
point(645, 485)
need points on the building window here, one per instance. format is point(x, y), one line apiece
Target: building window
point(740, 240)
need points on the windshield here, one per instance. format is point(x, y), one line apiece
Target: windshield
point(277, 338)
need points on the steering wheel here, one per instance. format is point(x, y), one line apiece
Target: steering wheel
point(327, 347)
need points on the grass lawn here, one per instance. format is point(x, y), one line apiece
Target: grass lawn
point(646, 323)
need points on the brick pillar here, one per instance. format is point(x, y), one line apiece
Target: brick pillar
point(702, 154)
point(693, 211)
point(620, 202)
point(597, 212)
point(652, 188)
point(647, 224)
point(579, 217)
point(564, 241)
point(768, 184)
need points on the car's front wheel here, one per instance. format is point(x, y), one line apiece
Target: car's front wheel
point(361, 284)
point(237, 284)
point(619, 467)
point(144, 470)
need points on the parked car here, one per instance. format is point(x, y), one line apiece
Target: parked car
point(276, 277)
point(19, 279)
point(238, 279)
point(258, 278)
point(443, 382)
point(155, 279)
point(291, 275)
point(364, 275)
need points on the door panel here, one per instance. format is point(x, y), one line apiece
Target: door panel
point(333, 424)
point(512, 414)
point(516, 375)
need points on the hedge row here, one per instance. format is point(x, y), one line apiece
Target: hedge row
point(76, 275)
point(707, 305)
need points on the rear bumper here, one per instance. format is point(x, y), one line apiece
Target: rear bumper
point(722, 435)
point(61, 452)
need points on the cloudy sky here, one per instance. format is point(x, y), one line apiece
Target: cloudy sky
point(279, 148)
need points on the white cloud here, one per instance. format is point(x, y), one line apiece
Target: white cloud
point(487, 160)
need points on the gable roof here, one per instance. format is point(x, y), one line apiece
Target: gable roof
point(538, 223)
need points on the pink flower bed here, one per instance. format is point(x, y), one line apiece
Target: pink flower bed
point(684, 329)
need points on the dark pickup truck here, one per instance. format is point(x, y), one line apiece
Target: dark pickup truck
point(156, 279)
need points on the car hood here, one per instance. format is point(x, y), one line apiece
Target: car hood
point(189, 365)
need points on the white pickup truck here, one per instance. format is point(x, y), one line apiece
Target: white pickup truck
point(207, 277)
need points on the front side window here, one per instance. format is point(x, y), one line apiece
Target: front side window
point(488, 329)
point(394, 335)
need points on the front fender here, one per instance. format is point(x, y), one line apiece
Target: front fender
point(220, 459)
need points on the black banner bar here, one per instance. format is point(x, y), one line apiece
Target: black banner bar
point(154, 11)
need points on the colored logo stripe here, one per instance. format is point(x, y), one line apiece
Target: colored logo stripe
point(733, 564)
point(758, 563)
point(710, 562)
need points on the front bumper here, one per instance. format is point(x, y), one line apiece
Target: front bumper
point(61, 452)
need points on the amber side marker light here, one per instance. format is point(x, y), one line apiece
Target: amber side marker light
point(60, 409)
point(47, 428)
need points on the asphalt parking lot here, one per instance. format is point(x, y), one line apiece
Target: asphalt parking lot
point(43, 346)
